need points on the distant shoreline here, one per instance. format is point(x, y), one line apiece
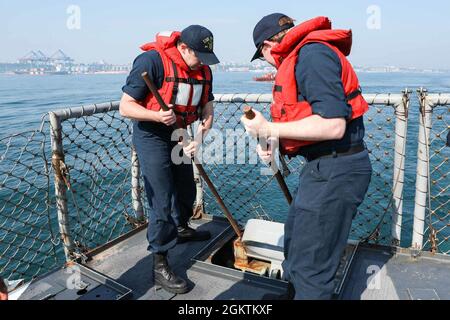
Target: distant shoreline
point(69, 74)
point(221, 71)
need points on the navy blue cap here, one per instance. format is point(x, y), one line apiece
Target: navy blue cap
point(268, 27)
point(201, 40)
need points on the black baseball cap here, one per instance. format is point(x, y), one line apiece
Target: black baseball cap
point(268, 27)
point(201, 40)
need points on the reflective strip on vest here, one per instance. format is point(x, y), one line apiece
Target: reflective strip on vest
point(184, 94)
point(197, 95)
point(184, 91)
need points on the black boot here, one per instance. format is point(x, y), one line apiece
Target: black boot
point(186, 234)
point(165, 278)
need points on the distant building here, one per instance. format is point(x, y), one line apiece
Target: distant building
point(59, 57)
point(38, 63)
point(34, 57)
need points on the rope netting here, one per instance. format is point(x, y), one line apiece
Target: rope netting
point(28, 230)
point(97, 151)
point(97, 157)
point(437, 231)
point(251, 191)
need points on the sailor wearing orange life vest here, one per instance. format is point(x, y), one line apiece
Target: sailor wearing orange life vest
point(178, 63)
point(317, 113)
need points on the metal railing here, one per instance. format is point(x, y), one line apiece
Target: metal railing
point(432, 201)
point(386, 139)
point(95, 200)
point(88, 183)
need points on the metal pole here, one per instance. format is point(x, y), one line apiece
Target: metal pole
point(199, 210)
point(401, 129)
point(135, 186)
point(250, 115)
point(60, 185)
point(426, 108)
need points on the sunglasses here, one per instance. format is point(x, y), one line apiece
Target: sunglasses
point(261, 56)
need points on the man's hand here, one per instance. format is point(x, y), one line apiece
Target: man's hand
point(259, 126)
point(191, 149)
point(267, 154)
point(167, 117)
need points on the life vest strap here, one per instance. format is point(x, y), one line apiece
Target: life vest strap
point(175, 85)
point(187, 81)
point(185, 114)
point(352, 95)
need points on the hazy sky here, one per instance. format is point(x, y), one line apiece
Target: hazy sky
point(411, 33)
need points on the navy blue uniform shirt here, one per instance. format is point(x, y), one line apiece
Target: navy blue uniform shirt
point(318, 74)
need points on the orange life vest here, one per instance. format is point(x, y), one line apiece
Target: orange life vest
point(286, 106)
point(188, 90)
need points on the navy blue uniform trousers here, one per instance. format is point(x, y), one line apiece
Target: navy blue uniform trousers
point(319, 222)
point(170, 188)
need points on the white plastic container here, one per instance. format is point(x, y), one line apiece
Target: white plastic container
point(264, 240)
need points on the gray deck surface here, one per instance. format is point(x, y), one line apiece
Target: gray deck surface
point(376, 273)
point(130, 264)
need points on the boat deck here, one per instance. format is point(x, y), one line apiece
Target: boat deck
point(130, 264)
point(383, 273)
point(370, 272)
